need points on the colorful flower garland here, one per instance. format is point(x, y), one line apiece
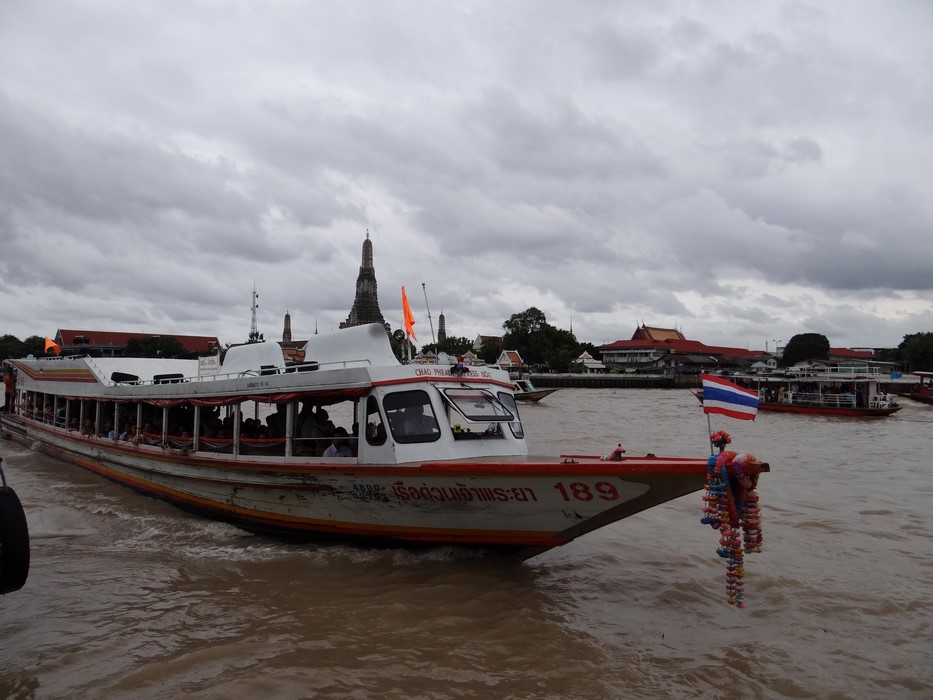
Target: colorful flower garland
point(731, 506)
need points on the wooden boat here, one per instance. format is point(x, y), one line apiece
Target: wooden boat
point(528, 392)
point(922, 391)
point(438, 455)
point(829, 393)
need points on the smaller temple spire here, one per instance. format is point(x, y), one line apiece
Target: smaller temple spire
point(287, 331)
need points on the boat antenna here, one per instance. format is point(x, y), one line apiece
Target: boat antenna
point(425, 290)
point(254, 336)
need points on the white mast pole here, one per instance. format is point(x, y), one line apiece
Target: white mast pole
point(433, 339)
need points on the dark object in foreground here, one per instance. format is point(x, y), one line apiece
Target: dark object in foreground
point(14, 540)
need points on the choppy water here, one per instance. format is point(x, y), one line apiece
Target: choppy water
point(130, 598)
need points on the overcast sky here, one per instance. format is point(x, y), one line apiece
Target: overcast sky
point(741, 171)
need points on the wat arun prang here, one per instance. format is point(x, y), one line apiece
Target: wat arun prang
point(366, 302)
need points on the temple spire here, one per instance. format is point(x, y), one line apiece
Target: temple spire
point(287, 331)
point(365, 307)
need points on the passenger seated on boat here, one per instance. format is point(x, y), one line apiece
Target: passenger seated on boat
point(276, 421)
point(314, 427)
point(150, 437)
point(339, 446)
point(88, 428)
point(416, 423)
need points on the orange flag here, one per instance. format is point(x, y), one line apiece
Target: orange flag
point(409, 317)
point(49, 343)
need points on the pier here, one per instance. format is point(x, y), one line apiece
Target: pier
point(615, 381)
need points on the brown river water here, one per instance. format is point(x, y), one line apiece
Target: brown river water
point(128, 597)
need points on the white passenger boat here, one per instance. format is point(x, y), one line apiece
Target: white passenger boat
point(436, 455)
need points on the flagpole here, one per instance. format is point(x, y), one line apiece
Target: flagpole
point(433, 339)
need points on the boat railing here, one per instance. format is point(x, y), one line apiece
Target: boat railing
point(248, 445)
point(101, 376)
point(264, 371)
point(802, 398)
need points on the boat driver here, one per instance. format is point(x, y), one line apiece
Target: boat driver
point(416, 423)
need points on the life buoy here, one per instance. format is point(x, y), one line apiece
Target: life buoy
point(14, 542)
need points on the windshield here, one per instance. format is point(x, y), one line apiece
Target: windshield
point(478, 405)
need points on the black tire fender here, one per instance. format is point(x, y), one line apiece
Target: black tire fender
point(14, 542)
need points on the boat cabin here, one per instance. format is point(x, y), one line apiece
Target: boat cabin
point(254, 405)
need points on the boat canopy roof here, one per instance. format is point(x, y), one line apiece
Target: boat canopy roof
point(252, 357)
point(358, 346)
point(143, 369)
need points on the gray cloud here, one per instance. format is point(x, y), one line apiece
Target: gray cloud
point(743, 172)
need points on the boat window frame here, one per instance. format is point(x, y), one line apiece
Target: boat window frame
point(394, 403)
point(508, 417)
point(516, 426)
point(376, 431)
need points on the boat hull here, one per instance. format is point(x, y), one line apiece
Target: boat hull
point(856, 412)
point(533, 396)
point(519, 506)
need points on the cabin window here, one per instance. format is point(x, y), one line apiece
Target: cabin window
point(476, 413)
point(375, 428)
point(516, 426)
point(411, 416)
point(478, 405)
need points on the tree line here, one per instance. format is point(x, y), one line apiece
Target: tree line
point(915, 351)
point(539, 344)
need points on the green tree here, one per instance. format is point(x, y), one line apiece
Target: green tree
point(521, 326)
point(34, 345)
point(805, 346)
point(11, 347)
point(456, 346)
point(556, 347)
point(155, 346)
point(490, 350)
point(453, 346)
point(538, 342)
point(917, 351)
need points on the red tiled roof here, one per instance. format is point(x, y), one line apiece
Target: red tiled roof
point(852, 354)
point(691, 347)
point(191, 343)
point(657, 334)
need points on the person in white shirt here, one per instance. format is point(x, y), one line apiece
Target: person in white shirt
point(339, 446)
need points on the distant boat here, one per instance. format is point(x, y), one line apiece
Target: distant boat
point(825, 392)
point(526, 391)
point(923, 390)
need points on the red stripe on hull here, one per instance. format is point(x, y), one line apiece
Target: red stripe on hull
point(828, 410)
point(308, 527)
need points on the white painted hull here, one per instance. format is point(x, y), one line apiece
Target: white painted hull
point(521, 505)
point(460, 475)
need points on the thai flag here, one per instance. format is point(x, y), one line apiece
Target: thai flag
point(721, 396)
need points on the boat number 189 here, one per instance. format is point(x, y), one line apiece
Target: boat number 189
point(579, 491)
